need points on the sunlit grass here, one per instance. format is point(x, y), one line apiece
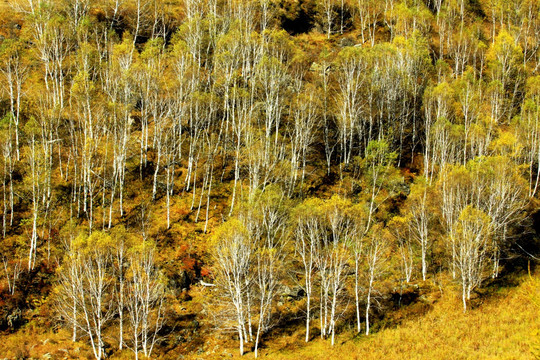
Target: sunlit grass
point(503, 327)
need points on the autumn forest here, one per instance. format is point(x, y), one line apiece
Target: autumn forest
point(267, 178)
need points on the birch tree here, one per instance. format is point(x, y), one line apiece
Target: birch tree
point(15, 73)
point(376, 254)
point(421, 219)
point(85, 289)
point(303, 131)
point(473, 250)
point(36, 180)
point(351, 80)
point(266, 223)
point(341, 233)
point(233, 258)
point(368, 13)
point(327, 16)
point(400, 229)
point(307, 233)
point(145, 296)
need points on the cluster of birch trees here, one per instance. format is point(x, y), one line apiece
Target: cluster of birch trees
point(426, 122)
point(110, 279)
point(340, 250)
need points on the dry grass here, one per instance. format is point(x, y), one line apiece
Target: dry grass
point(504, 327)
point(29, 344)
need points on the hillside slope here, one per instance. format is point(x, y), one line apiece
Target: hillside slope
point(503, 325)
point(203, 178)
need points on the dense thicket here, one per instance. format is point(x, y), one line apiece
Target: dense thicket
point(327, 146)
